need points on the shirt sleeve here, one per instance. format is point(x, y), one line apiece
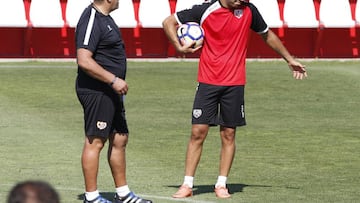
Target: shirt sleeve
point(258, 23)
point(190, 15)
point(88, 34)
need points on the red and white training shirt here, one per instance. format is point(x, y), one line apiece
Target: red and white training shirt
point(223, 55)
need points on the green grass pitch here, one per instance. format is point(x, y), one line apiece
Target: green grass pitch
point(301, 142)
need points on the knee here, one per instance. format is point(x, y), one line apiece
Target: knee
point(119, 140)
point(94, 143)
point(198, 133)
point(228, 135)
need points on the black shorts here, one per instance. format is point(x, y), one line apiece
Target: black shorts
point(219, 105)
point(104, 114)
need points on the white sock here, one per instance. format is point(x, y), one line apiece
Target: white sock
point(92, 195)
point(189, 181)
point(221, 181)
point(123, 190)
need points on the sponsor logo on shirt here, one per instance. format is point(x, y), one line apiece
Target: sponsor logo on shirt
point(238, 13)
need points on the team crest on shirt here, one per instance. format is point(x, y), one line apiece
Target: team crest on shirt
point(238, 13)
point(197, 113)
point(101, 125)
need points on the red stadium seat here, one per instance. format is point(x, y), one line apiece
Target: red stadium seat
point(300, 29)
point(12, 14)
point(46, 13)
point(337, 36)
point(336, 14)
point(294, 15)
point(184, 4)
point(152, 13)
point(13, 29)
point(74, 9)
point(357, 13)
point(153, 42)
point(124, 16)
point(45, 28)
point(270, 11)
point(48, 37)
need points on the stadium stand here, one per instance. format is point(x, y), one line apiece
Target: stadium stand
point(150, 17)
point(46, 13)
point(336, 14)
point(124, 16)
point(150, 21)
point(184, 4)
point(337, 34)
point(74, 8)
point(357, 13)
point(269, 9)
point(13, 24)
point(12, 14)
point(47, 29)
point(309, 28)
point(300, 20)
point(300, 14)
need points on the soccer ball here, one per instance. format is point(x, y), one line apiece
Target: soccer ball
point(189, 32)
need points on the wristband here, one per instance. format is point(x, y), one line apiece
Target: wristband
point(113, 81)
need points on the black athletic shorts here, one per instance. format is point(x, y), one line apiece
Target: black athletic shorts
point(219, 105)
point(104, 114)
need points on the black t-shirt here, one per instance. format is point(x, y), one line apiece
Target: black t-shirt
point(99, 34)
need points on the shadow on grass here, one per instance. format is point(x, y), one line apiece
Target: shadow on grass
point(233, 188)
point(200, 189)
point(106, 195)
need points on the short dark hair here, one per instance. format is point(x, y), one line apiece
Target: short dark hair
point(33, 191)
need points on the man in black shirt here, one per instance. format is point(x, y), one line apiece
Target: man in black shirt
point(100, 87)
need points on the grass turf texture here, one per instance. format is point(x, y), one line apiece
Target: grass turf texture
point(301, 144)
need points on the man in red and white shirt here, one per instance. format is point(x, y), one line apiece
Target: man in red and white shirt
point(219, 99)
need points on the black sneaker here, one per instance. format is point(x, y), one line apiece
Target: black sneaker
point(131, 197)
point(99, 199)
